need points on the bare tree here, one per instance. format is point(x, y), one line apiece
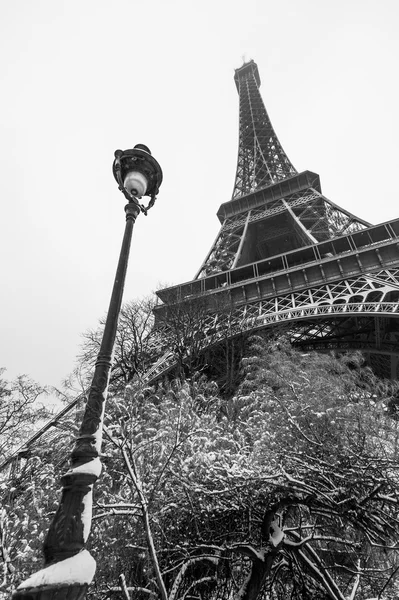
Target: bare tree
point(133, 352)
point(20, 411)
point(205, 335)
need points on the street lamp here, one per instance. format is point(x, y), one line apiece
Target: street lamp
point(69, 568)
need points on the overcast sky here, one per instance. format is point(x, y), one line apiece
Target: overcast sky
point(81, 78)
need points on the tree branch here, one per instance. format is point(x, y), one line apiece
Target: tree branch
point(147, 526)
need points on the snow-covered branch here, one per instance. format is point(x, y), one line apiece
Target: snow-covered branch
point(144, 508)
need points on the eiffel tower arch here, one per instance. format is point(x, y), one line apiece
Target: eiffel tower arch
point(285, 253)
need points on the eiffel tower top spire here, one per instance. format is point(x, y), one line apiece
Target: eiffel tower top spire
point(261, 158)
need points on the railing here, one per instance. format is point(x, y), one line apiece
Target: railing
point(356, 244)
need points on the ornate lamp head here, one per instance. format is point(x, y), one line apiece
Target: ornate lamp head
point(137, 173)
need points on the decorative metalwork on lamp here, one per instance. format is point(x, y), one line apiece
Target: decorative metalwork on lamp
point(138, 174)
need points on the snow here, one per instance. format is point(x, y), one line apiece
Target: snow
point(87, 513)
point(277, 535)
point(92, 468)
point(77, 569)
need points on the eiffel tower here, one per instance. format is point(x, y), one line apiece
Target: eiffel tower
point(286, 254)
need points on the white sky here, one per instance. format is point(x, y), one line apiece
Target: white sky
point(81, 78)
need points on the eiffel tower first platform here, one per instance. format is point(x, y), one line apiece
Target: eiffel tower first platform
point(286, 254)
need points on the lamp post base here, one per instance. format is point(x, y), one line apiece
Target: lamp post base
point(66, 592)
point(67, 579)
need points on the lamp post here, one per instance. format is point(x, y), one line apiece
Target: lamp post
point(69, 568)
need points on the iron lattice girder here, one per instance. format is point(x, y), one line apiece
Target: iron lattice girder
point(310, 214)
point(376, 292)
point(261, 158)
point(358, 329)
point(350, 311)
point(345, 325)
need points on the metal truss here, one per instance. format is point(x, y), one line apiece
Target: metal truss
point(376, 293)
point(226, 248)
point(319, 313)
point(313, 215)
point(287, 209)
point(324, 220)
point(324, 314)
point(261, 158)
